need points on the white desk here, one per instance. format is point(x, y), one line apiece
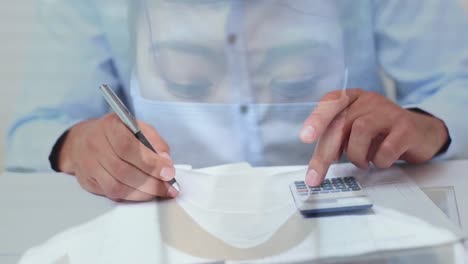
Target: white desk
point(60, 205)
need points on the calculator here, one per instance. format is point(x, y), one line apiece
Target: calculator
point(334, 195)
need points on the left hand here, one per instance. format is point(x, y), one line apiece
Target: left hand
point(368, 127)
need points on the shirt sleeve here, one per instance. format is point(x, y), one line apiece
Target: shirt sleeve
point(421, 45)
point(68, 59)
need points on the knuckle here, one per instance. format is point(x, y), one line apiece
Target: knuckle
point(124, 145)
point(361, 125)
point(332, 96)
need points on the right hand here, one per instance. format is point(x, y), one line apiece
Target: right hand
point(107, 159)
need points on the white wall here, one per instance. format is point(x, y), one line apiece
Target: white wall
point(16, 27)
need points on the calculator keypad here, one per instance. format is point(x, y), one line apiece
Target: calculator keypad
point(334, 185)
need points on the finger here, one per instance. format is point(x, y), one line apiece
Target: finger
point(329, 107)
point(127, 147)
point(391, 149)
point(363, 131)
point(118, 191)
point(327, 151)
point(375, 146)
point(132, 176)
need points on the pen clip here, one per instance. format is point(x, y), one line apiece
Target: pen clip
point(119, 108)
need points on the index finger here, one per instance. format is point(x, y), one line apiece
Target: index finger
point(329, 107)
point(327, 151)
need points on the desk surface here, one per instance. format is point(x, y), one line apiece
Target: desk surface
point(36, 207)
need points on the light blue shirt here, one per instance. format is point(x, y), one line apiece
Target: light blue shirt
point(420, 45)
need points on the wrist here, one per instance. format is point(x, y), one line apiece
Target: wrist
point(65, 160)
point(434, 130)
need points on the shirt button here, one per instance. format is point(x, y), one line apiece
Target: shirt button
point(232, 39)
point(244, 109)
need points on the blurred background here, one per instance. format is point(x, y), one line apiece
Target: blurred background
point(16, 31)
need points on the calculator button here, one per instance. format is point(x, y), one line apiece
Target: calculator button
point(335, 191)
point(325, 191)
point(346, 190)
point(315, 192)
point(356, 189)
point(315, 188)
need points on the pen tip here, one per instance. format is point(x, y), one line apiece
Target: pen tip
point(176, 186)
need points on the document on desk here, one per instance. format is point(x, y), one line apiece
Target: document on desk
point(239, 214)
point(248, 213)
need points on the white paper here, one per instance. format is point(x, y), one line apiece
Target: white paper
point(244, 207)
point(155, 232)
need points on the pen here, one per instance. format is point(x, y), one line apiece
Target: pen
point(122, 112)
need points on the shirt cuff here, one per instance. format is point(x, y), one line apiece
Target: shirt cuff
point(454, 124)
point(30, 145)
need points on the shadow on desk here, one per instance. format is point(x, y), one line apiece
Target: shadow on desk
point(36, 207)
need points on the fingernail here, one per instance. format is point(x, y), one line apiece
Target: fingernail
point(172, 192)
point(166, 156)
point(308, 133)
point(167, 173)
point(312, 178)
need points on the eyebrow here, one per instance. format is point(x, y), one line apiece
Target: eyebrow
point(277, 54)
point(190, 48)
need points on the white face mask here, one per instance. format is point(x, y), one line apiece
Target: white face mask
point(269, 51)
point(220, 209)
point(231, 72)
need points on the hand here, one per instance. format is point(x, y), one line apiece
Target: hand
point(107, 159)
point(368, 127)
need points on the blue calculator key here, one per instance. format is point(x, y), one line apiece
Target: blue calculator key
point(325, 191)
point(315, 192)
point(356, 189)
point(334, 191)
point(315, 188)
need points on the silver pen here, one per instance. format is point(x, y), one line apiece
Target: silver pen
point(121, 110)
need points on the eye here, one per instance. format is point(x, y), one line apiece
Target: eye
point(194, 89)
point(294, 88)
